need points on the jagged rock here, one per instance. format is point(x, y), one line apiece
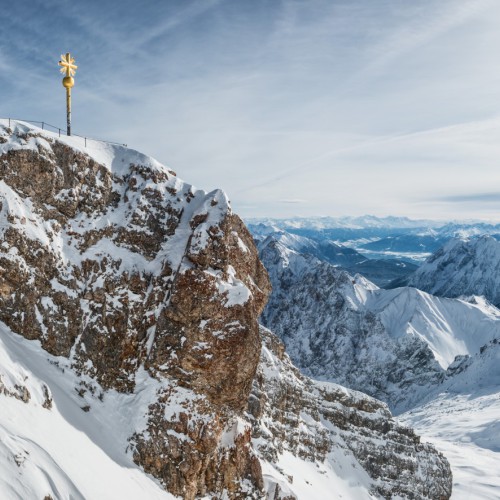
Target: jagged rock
point(320, 422)
point(109, 259)
point(210, 448)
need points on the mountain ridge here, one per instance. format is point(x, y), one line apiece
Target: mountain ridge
point(137, 298)
point(392, 344)
point(462, 267)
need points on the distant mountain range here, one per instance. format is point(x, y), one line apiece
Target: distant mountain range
point(346, 222)
point(380, 271)
point(471, 227)
point(378, 238)
point(393, 344)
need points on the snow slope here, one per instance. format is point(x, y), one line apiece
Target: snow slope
point(49, 445)
point(462, 419)
point(451, 327)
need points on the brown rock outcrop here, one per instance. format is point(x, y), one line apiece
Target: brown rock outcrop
point(129, 268)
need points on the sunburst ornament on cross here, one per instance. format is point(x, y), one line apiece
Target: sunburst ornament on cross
point(68, 68)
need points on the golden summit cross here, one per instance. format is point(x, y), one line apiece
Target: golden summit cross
point(68, 67)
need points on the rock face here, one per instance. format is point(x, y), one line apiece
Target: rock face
point(331, 426)
point(109, 259)
point(392, 344)
point(462, 267)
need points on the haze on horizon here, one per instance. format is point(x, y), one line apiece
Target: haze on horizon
point(293, 107)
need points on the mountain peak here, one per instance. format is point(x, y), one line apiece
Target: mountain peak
point(463, 266)
point(113, 262)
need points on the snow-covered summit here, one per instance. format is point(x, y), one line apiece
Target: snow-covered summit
point(464, 266)
point(116, 158)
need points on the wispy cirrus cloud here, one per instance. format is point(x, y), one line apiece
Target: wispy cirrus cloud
point(472, 198)
point(293, 201)
point(355, 106)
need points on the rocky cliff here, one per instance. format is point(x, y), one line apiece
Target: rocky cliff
point(143, 294)
point(345, 435)
point(110, 260)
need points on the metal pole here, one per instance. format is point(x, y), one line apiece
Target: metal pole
point(68, 110)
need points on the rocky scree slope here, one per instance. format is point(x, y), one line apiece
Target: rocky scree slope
point(144, 292)
point(464, 266)
point(392, 344)
point(351, 446)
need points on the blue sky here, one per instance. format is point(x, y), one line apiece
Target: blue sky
point(308, 107)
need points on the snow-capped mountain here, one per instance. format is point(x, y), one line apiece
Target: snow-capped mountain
point(131, 359)
point(393, 344)
point(461, 267)
point(324, 250)
point(111, 261)
point(380, 271)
